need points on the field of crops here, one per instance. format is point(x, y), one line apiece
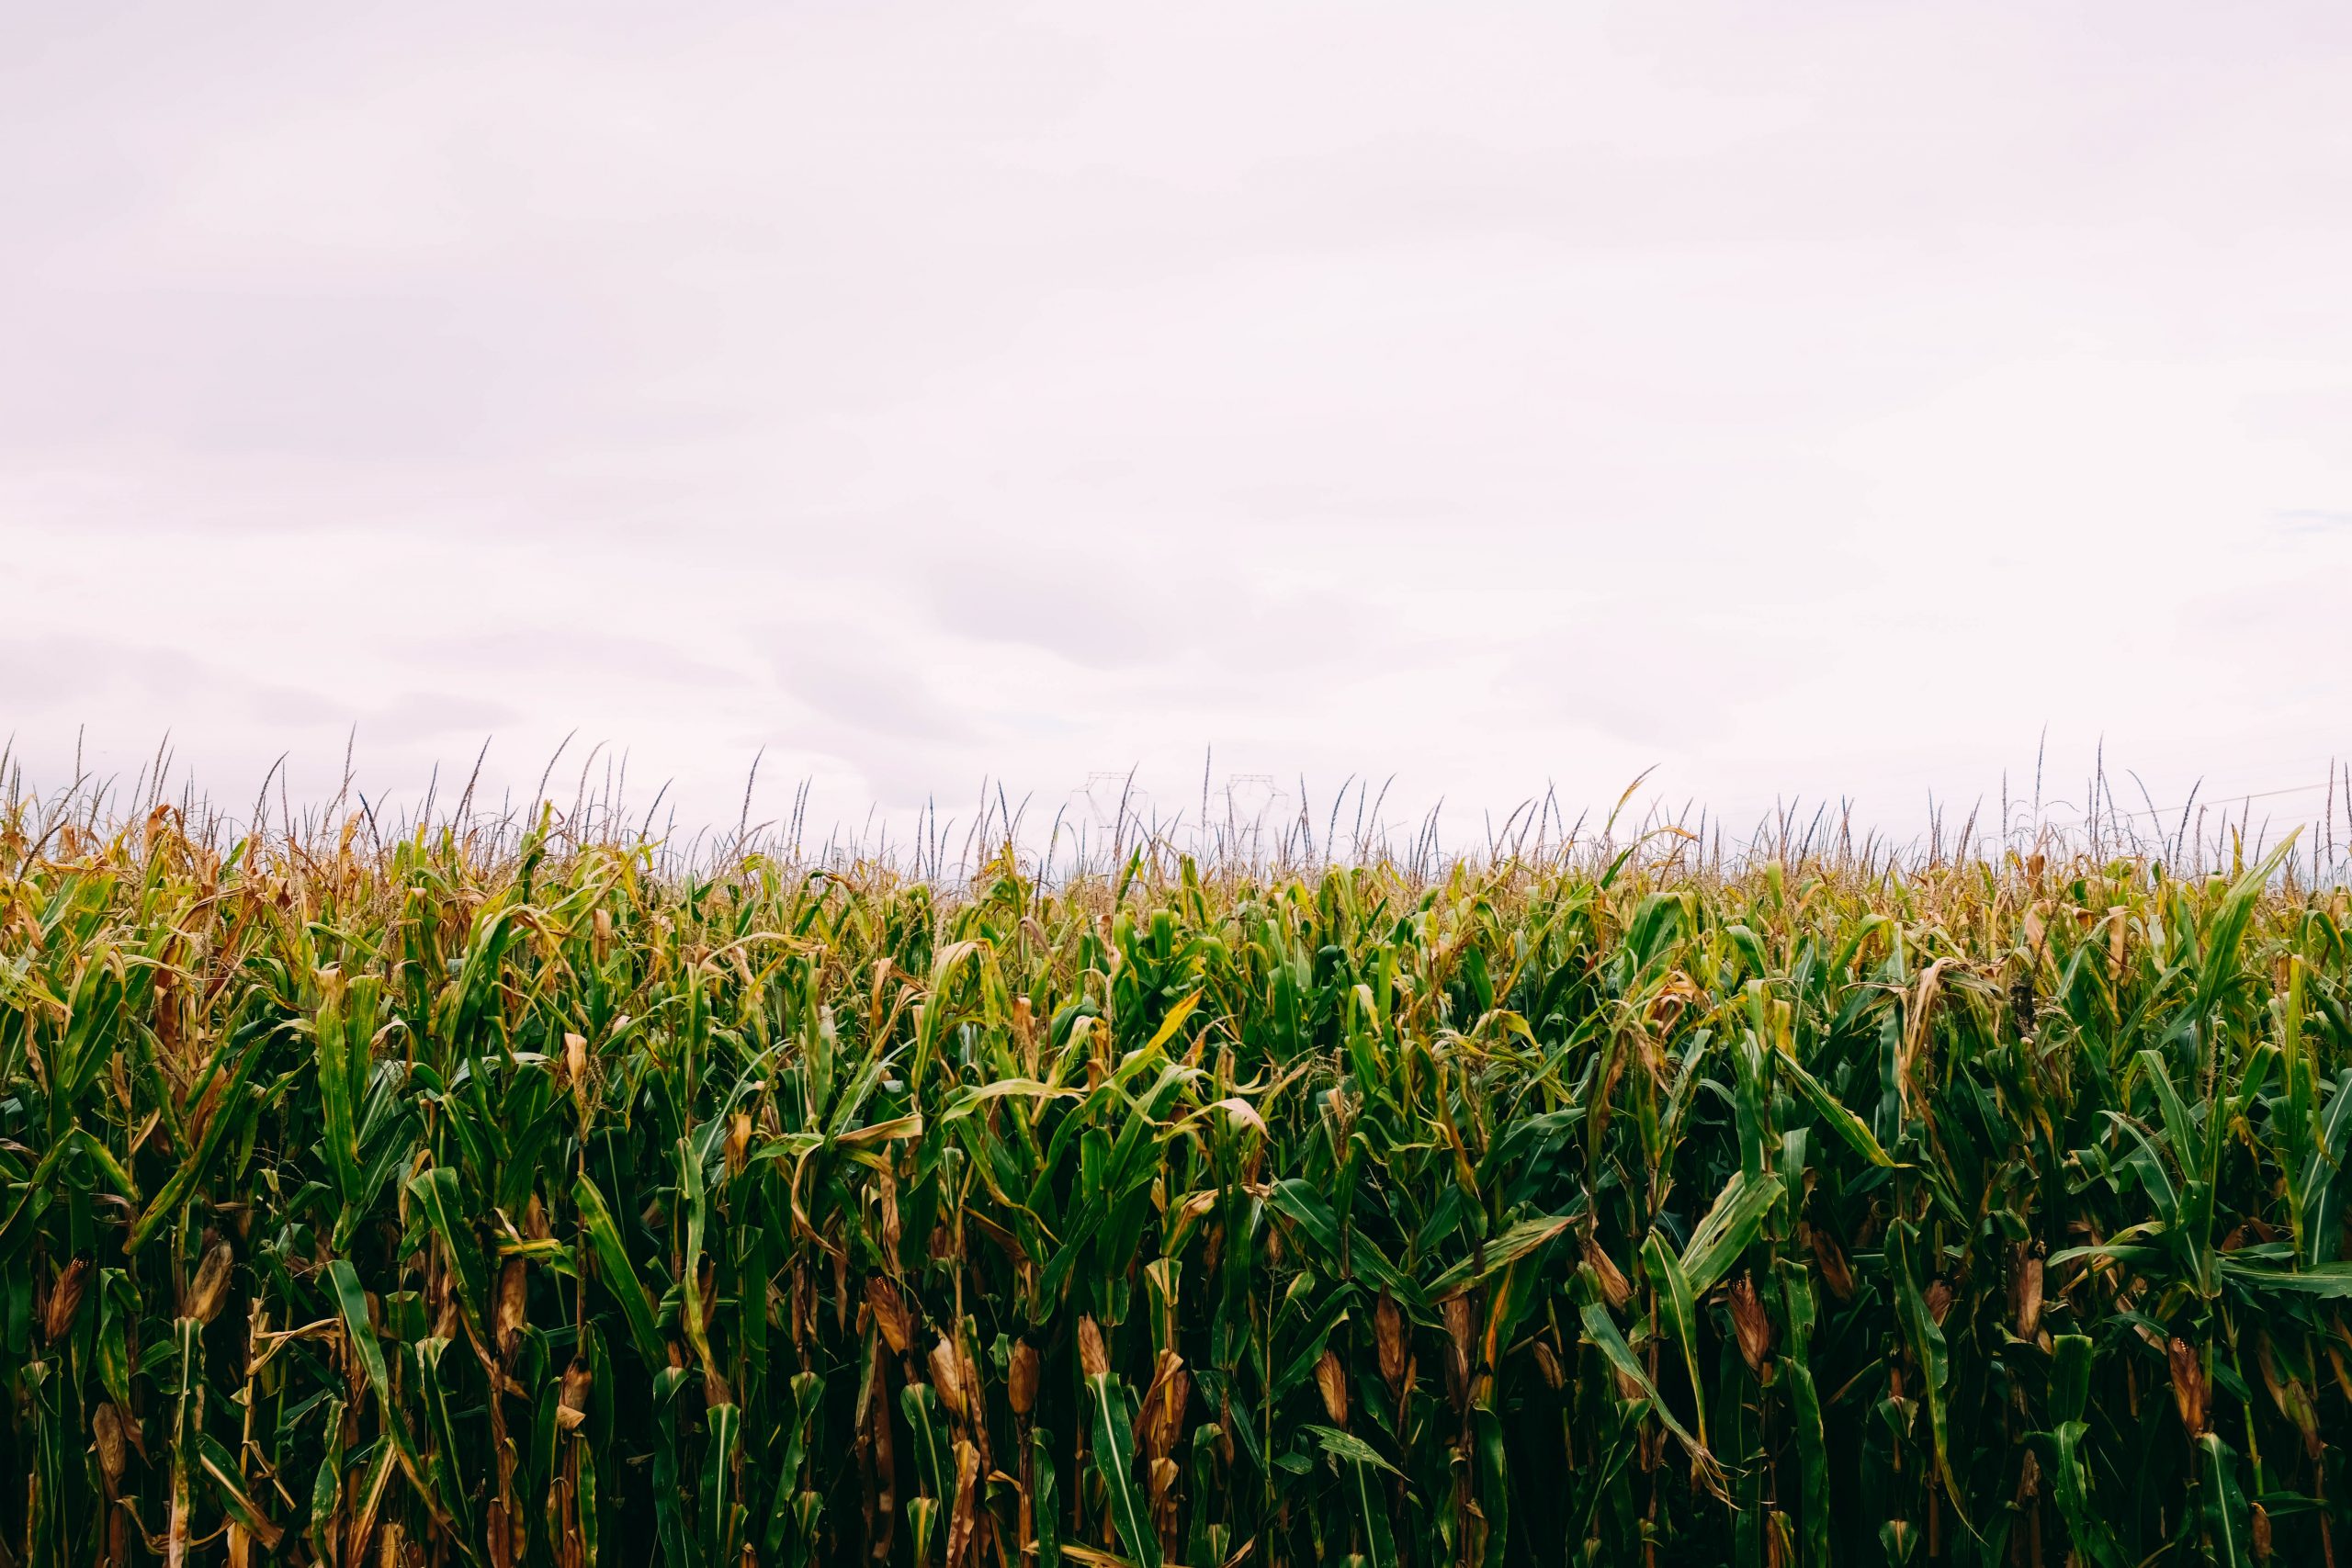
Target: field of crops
point(510, 1201)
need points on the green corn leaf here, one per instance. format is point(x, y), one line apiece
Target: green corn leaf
point(1491, 1463)
point(2225, 930)
point(590, 1515)
point(1114, 1443)
point(1044, 1504)
point(1851, 1129)
point(359, 1334)
point(1299, 1202)
point(672, 1523)
point(1369, 1497)
point(2085, 1522)
point(2070, 1377)
point(1199, 1542)
point(697, 1203)
point(1600, 1330)
point(922, 1523)
point(340, 1040)
point(785, 1522)
point(2328, 1281)
point(435, 1194)
point(236, 1107)
point(2226, 1525)
point(1521, 1240)
point(350, 1300)
point(1804, 1418)
point(1928, 1347)
point(2327, 1186)
point(618, 1273)
point(1345, 1447)
point(1678, 1310)
point(435, 1387)
point(327, 1482)
point(722, 1522)
point(1729, 1228)
point(932, 1444)
point(230, 1487)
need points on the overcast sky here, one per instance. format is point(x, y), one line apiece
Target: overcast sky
point(1802, 399)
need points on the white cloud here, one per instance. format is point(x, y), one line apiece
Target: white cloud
point(1812, 401)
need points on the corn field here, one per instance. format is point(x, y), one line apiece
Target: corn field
point(443, 1201)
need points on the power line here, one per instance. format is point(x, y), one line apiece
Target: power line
point(2226, 800)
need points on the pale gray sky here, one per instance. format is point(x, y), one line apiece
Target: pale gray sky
point(1804, 399)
